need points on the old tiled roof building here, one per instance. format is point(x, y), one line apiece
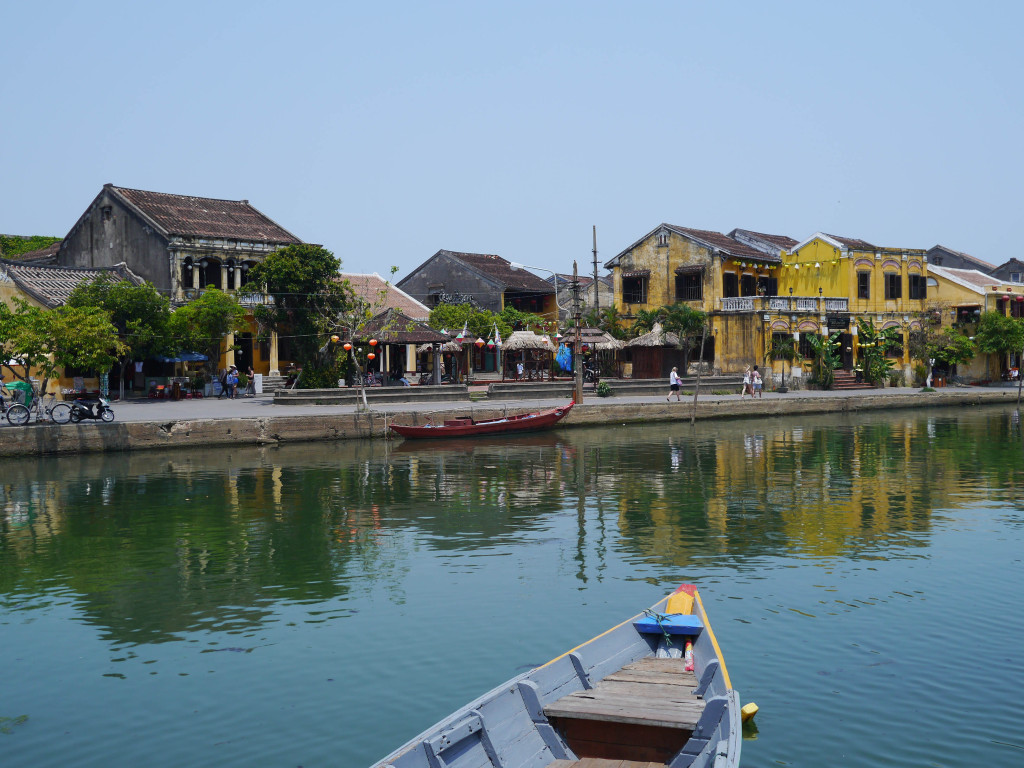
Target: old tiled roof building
point(484, 280)
point(50, 286)
point(179, 243)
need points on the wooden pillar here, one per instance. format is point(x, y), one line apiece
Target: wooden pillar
point(223, 277)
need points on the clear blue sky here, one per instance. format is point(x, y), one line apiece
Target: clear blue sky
point(386, 131)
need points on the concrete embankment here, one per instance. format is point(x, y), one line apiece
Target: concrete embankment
point(268, 428)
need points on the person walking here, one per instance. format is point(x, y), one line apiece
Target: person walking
point(233, 383)
point(746, 384)
point(250, 384)
point(755, 380)
point(673, 386)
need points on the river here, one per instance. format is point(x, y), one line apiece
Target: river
point(318, 605)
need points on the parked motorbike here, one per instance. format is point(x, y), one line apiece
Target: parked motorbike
point(591, 374)
point(91, 409)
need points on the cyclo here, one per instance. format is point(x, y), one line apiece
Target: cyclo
point(44, 406)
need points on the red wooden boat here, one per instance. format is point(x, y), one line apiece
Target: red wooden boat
point(465, 426)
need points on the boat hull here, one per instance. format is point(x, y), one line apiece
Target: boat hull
point(585, 704)
point(466, 427)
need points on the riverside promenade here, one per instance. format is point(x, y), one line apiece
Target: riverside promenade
point(188, 424)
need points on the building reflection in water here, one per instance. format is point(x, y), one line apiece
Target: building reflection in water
point(152, 547)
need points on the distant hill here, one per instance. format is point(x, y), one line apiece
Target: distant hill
point(12, 246)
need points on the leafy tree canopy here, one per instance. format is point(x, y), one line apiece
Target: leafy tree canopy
point(951, 347)
point(48, 340)
point(202, 324)
point(999, 334)
point(139, 313)
point(307, 296)
point(12, 246)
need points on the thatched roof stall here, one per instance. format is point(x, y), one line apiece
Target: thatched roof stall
point(655, 354)
point(522, 340)
point(656, 337)
point(514, 350)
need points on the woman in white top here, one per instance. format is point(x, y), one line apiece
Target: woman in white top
point(746, 384)
point(673, 385)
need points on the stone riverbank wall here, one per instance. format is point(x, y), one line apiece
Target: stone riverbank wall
point(52, 439)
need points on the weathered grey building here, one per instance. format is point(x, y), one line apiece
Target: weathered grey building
point(941, 256)
point(484, 280)
point(1011, 271)
point(178, 243)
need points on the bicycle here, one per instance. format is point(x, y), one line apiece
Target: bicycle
point(45, 406)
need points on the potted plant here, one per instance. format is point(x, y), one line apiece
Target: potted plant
point(783, 349)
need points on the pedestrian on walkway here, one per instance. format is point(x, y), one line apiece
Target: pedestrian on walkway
point(746, 384)
point(673, 385)
point(755, 380)
point(250, 384)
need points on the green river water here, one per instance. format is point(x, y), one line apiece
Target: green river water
point(318, 605)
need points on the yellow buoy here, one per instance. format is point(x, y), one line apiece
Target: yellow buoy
point(748, 711)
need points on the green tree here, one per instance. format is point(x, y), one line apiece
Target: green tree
point(825, 350)
point(875, 345)
point(687, 323)
point(644, 322)
point(307, 296)
point(12, 246)
point(1000, 335)
point(783, 349)
point(951, 347)
point(202, 324)
point(140, 314)
point(608, 320)
point(45, 341)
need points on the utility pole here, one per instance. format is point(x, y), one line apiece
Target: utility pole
point(577, 313)
point(597, 303)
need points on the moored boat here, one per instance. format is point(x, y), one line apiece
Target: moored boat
point(466, 426)
point(651, 691)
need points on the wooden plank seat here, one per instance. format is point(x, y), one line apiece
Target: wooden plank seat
point(642, 714)
point(654, 692)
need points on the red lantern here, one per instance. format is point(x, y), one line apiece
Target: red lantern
point(1007, 297)
point(479, 343)
point(585, 347)
point(370, 356)
point(347, 346)
point(335, 338)
point(373, 342)
point(1020, 298)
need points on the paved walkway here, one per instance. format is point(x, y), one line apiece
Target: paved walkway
point(263, 405)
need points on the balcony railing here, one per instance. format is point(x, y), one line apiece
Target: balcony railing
point(783, 304)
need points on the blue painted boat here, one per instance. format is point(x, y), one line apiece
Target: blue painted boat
point(651, 691)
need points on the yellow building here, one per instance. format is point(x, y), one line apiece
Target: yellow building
point(853, 279)
point(730, 277)
point(754, 286)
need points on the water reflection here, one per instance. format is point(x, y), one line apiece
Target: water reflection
point(156, 546)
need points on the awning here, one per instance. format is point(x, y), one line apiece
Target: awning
point(966, 306)
point(690, 269)
point(637, 273)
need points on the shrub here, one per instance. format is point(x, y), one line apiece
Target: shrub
point(604, 389)
point(896, 379)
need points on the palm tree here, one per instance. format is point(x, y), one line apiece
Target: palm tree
point(783, 349)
